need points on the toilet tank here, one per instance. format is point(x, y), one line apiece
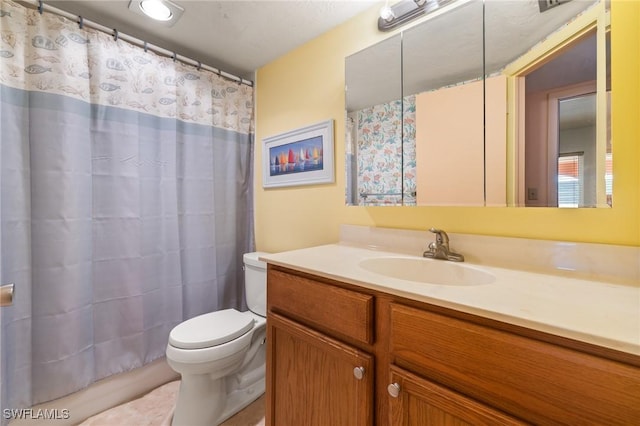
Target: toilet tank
point(255, 283)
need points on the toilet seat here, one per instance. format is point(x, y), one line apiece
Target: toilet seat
point(209, 330)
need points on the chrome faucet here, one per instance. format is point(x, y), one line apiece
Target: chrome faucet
point(439, 249)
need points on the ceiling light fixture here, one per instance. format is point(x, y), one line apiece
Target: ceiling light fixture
point(156, 9)
point(164, 11)
point(407, 10)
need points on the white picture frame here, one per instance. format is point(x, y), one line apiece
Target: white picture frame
point(303, 156)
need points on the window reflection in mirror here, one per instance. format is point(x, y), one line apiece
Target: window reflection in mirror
point(571, 179)
point(576, 165)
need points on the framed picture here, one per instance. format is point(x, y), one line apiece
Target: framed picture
point(299, 157)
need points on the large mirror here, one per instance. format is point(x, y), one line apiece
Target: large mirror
point(503, 103)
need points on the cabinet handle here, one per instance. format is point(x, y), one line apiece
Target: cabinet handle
point(394, 389)
point(358, 372)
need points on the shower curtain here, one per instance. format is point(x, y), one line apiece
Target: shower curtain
point(125, 205)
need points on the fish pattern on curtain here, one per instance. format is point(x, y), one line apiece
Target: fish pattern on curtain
point(126, 202)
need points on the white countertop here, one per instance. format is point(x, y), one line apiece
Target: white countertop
point(595, 312)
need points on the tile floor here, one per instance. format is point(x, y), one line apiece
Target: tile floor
point(156, 409)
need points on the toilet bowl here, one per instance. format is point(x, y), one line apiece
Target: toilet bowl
point(221, 356)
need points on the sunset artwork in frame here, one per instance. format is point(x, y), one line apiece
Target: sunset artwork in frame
point(299, 157)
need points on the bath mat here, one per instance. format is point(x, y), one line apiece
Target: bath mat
point(153, 409)
point(156, 409)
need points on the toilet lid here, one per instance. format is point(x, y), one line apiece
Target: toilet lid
point(210, 329)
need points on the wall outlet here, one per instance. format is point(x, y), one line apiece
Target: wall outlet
point(532, 194)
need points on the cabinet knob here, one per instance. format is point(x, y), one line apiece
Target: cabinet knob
point(358, 372)
point(394, 389)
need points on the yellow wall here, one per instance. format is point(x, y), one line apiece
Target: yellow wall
point(306, 86)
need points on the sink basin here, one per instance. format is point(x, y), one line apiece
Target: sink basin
point(427, 271)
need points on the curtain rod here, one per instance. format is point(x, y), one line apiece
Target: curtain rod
point(41, 6)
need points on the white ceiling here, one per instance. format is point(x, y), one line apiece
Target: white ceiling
point(236, 36)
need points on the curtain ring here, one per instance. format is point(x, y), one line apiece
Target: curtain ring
point(145, 47)
point(115, 35)
point(40, 7)
point(80, 21)
point(199, 65)
point(173, 56)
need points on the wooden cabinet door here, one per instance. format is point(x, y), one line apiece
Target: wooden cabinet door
point(533, 380)
point(420, 402)
point(311, 379)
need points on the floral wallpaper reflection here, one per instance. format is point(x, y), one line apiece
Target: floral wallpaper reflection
point(382, 159)
point(409, 150)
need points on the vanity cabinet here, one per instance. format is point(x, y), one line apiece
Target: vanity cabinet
point(428, 365)
point(315, 376)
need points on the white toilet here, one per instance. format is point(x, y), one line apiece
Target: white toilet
point(221, 355)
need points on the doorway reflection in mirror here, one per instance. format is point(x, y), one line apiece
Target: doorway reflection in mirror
point(566, 160)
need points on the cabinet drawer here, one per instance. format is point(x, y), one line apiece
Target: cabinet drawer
point(533, 380)
point(334, 310)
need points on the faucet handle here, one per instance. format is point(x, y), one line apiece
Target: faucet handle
point(441, 236)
